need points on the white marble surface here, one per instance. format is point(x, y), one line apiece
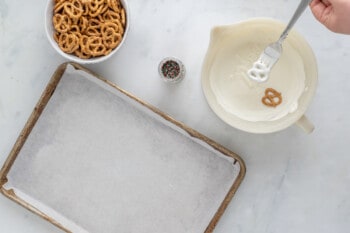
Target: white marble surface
point(294, 182)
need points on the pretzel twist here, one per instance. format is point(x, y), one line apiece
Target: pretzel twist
point(74, 9)
point(62, 23)
point(272, 98)
point(68, 42)
point(95, 46)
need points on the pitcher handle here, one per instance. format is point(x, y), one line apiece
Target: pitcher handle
point(305, 124)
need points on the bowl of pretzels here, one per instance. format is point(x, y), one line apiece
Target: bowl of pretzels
point(87, 31)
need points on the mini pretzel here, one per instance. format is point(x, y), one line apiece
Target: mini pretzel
point(116, 26)
point(122, 13)
point(95, 46)
point(108, 28)
point(81, 54)
point(272, 98)
point(99, 11)
point(108, 51)
point(120, 27)
point(83, 23)
point(86, 8)
point(114, 5)
point(95, 4)
point(112, 40)
point(58, 6)
point(100, 18)
point(74, 29)
point(110, 15)
point(93, 28)
point(61, 23)
point(56, 36)
point(74, 9)
point(94, 23)
point(83, 43)
point(68, 42)
point(92, 31)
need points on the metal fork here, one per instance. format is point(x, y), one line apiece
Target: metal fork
point(271, 54)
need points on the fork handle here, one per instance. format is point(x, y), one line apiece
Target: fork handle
point(301, 8)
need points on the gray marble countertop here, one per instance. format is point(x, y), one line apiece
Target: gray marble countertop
point(294, 182)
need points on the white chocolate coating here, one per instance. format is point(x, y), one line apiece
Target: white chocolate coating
point(240, 96)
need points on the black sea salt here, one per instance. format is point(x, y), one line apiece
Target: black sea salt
point(171, 69)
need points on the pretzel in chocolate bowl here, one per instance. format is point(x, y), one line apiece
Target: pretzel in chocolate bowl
point(272, 98)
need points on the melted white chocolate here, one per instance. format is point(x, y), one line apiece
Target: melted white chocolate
point(240, 96)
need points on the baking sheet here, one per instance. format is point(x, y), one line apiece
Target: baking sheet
point(93, 158)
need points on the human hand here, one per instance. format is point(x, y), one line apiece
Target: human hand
point(334, 14)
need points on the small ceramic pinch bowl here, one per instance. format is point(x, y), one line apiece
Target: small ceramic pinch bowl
point(50, 32)
point(236, 99)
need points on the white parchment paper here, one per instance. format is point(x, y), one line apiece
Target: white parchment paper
point(98, 164)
